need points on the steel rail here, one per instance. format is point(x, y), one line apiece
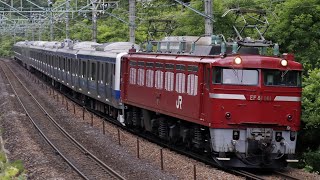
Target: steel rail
point(87, 152)
point(286, 176)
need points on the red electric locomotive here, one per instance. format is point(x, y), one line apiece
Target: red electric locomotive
point(231, 102)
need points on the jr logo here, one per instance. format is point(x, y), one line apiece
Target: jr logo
point(179, 102)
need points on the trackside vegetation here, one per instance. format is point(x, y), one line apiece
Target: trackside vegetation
point(294, 24)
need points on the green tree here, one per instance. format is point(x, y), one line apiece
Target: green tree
point(297, 30)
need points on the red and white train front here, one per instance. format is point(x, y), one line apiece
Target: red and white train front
point(253, 106)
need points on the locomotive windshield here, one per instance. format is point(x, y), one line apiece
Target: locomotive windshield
point(282, 78)
point(236, 76)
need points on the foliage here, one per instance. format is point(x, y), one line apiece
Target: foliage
point(297, 30)
point(6, 45)
point(309, 135)
point(14, 170)
point(311, 160)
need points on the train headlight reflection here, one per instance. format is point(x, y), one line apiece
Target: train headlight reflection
point(284, 62)
point(237, 60)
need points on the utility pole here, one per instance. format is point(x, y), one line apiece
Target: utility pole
point(94, 20)
point(67, 18)
point(32, 25)
point(208, 22)
point(132, 17)
point(51, 20)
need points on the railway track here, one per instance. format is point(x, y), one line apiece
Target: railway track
point(243, 173)
point(80, 159)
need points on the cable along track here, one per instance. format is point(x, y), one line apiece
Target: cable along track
point(79, 158)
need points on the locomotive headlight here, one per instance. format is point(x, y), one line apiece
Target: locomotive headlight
point(237, 60)
point(284, 62)
point(289, 117)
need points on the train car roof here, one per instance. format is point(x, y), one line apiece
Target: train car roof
point(248, 61)
point(85, 45)
point(117, 47)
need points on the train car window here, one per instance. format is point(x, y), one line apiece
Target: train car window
point(282, 78)
point(84, 69)
point(101, 65)
point(240, 76)
point(192, 84)
point(180, 82)
point(149, 78)
point(192, 68)
point(76, 67)
point(169, 66)
point(159, 65)
point(60, 63)
point(69, 65)
point(149, 64)
point(64, 64)
point(93, 71)
point(159, 79)
point(180, 67)
point(112, 74)
point(107, 73)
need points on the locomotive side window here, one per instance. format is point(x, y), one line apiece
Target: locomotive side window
point(282, 78)
point(180, 67)
point(192, 68)
point(216, 78)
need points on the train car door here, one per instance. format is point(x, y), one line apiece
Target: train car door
point(205, 99)
point(83, 77)
point(92, 80)
point(108, 80)
point(100, 83)
point(68, 71)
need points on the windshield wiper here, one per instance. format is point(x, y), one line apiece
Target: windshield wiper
point(236, 74)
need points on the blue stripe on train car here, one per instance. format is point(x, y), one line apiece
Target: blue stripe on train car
point(116, 94)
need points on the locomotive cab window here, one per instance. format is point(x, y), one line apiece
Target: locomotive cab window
point(236, 76)
point(282, 78)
